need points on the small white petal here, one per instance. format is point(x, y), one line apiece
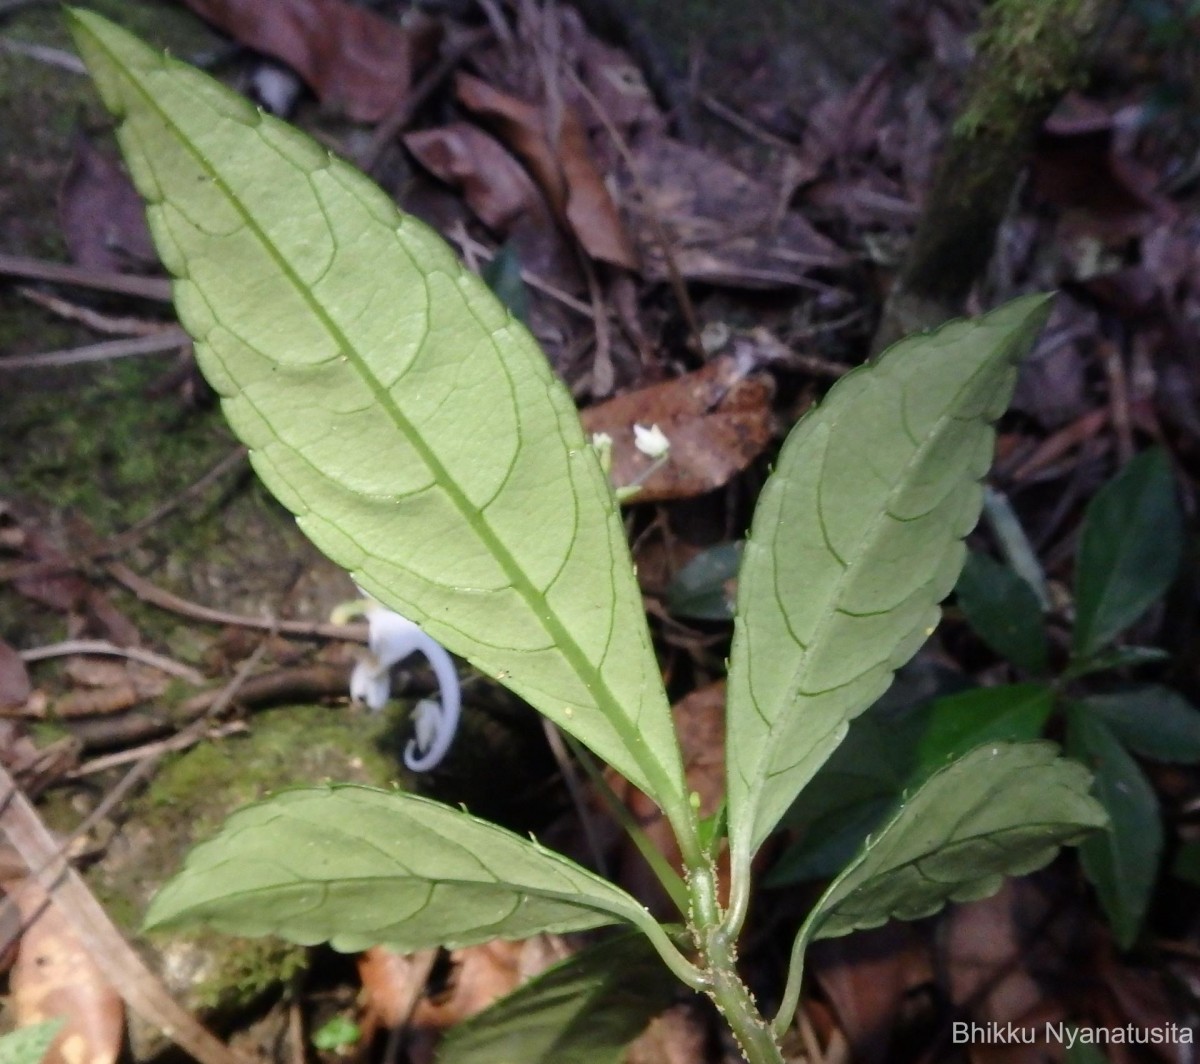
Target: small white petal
point(652, 441)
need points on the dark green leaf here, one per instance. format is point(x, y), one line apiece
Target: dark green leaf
point(702, 588)
point(1129, 550)
point(1122, 863)
point(585, 1010)
point(503, 276)
point(1003, 610)
point(960, 722)
point(1004, 809)
point(359, 867)
point(1115, 658)
point(1152, 721)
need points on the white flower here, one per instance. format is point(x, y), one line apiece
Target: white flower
point(652, 441)
point(391, 639)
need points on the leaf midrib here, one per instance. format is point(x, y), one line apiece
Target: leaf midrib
point(593, 678)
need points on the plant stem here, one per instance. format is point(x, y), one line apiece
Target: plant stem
point(737, 1005)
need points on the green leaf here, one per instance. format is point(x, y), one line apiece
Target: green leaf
point(1110, 658)
point(582, 1011)
point(886, 753)
point(1129, 550)
point(856, 538)
point(1002, 810)
point(28, 1045)
point(1152, 721)
point(503, 276)
point(359, 867)
point(1123, 862)
point(1003, 610)
point(393, 404)
point(701, 589)
point(338, 1032)
point(961, 722)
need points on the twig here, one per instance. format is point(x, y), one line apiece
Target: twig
point(123, 968)
point(468, 244)
point(124, 540)
point(93, 319)
point(170, 339)
point(157, 596)
point(54, 57)
point(150, 752)
point(684, 299)
point(571, 779)
point(402, 113)
point(99, 646)
point(743, 124)
point(1118, 400)
point(123, 284)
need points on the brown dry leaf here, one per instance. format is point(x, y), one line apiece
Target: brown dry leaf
point(724, 227)
point(15, 686)
point(101, 214)
point(53, 975)
point(495, 185)
point(678, 1036)
point(998, 954)
point(866, 977)
point(396, 985)
point(561, 162)
point(717, 419)
point(354, 60)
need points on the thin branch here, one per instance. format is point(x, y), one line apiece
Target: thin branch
point(124, 284)
point(98, 646)
point(157, 596)
point(169, 339)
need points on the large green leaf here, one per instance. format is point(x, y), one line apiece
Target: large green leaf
point(856, 538)
point(583, 1011)
point(393, 404)
point(359, 867)
point(1129, 550)
point(1123, 862)
point(1004, 809)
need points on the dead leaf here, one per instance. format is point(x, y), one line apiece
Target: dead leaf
point(559, 158)
point(718, 422)
point(432, 990)
point(866, 977)
point(495, 185)
point(354, 60)
point(724, 226)
point(102, 217)
point(678, 1036)
point(53, 975)
point(15, 686)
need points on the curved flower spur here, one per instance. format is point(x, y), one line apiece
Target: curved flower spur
point(392, 638)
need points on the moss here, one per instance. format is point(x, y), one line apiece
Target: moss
point(1030, 50)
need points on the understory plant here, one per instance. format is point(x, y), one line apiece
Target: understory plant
point(421, 439)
